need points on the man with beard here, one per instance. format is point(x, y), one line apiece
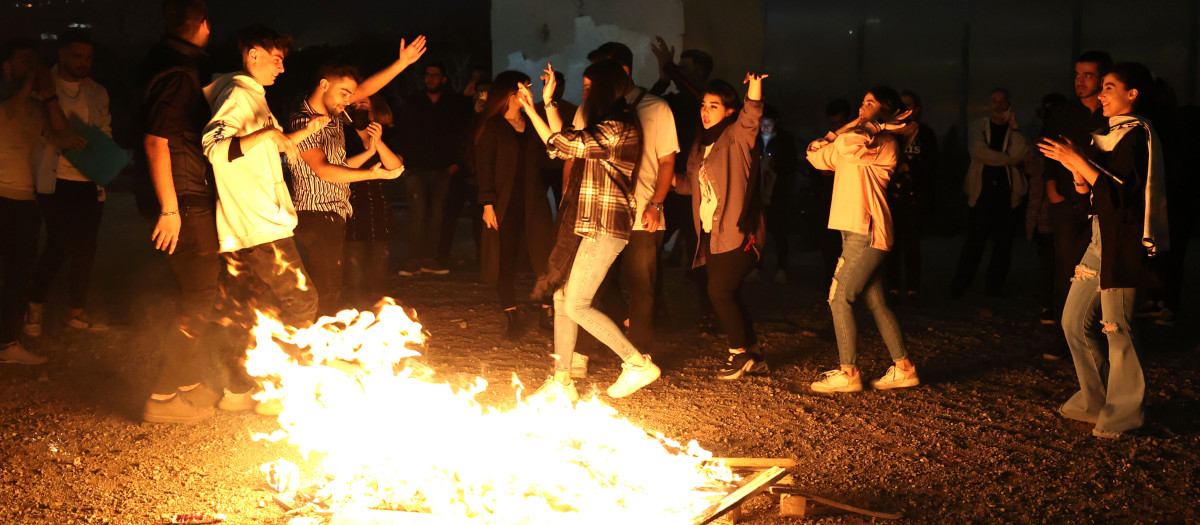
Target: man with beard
point(1068, 210)
point(70, 202)
point(431, 123)
point(321, 177)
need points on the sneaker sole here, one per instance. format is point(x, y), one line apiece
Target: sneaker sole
point(898, 384)
point(751, 367)
point(650, 379)
point(829, 390)
point(171, 419)
point(435, 272)
point(578, 374)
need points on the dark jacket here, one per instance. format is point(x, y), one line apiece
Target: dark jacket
point(732, 166)
point(432, 134)
point(1120, 210)
point(171, 79)
point(914, 175)
point(497, 159)
point(1074, 121)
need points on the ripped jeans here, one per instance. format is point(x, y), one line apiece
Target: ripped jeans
point(858, 274)
point(1092, 313)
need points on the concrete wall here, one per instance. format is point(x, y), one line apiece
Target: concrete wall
point(528, 33)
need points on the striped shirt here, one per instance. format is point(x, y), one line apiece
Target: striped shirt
point(609, 150)
point(310, 192)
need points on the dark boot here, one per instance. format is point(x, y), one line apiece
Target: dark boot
point(546, 319)
point(512, 327)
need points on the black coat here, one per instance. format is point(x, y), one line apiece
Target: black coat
point(1120, 209)
point(496, 161)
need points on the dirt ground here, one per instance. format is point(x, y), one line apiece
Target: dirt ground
point(979, 441)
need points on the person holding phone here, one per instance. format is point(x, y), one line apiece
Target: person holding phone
point(370, 229)
point(994, 188)
point(863, 155)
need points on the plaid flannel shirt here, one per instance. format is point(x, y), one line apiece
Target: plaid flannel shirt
point(609, 149)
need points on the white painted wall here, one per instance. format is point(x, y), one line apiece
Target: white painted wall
point(528, 33)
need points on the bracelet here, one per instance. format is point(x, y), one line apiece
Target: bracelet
point(552, 104)
point(658, 206)
point(169, 213)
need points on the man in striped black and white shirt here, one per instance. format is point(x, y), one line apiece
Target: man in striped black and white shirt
point(321, 178)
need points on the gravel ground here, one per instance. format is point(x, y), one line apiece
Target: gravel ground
point(980, 441)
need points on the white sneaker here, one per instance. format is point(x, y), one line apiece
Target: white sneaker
point(235, 402)
point(896, 378)
point(554, 392)
point(83, 322)
point(578, 365)
point(633, 378)
point(838, 381)
point(17, 354)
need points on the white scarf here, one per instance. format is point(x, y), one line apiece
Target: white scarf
point(1154, 225)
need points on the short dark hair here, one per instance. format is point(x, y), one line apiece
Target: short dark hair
point(914, 96)
point(615, 51)
point(183, 17)
point(1100, 58)
point(441, 66)
point(560, 78)
point(338, 70)
point(770, 112)
point(837, 106)
point(262, 36)
point(724, 91)
point(700, 58)
point(1007, 95)
point(1136, 76)
point(75, 36)
point(18, 44)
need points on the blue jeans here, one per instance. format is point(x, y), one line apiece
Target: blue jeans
point(573, 303)
point(858, 273)
point(1092, 313)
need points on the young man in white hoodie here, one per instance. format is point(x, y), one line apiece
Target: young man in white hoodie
point(243, 141)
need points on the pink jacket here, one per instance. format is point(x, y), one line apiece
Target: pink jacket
point(862, 165)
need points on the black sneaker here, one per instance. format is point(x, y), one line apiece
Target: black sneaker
point(1047, 318)
point(432, 267)
point(742, 363)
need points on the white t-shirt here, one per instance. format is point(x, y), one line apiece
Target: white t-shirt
point(708, 196)
point(658, 141)
point(74, 104)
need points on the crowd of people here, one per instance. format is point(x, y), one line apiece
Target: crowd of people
point(296, 215)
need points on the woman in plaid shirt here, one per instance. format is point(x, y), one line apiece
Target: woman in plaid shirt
point(595, 220)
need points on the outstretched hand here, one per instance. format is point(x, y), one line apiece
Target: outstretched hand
point(664, 54)
point(525, 97)
point(898, 122)
point(1065, 152)
point(411, 53)
point(754, 92)
point(549, 83)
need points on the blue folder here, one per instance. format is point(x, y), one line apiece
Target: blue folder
point(101, 160)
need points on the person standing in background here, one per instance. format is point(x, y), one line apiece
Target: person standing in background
point(907, 199)
point(70, 202)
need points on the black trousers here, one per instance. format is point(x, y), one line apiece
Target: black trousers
point(1046, 269)
point(635, 272)
point(725, 274)
point(18, 250)
point(72, 215)
point(904, 261)
point(321, 238)
point(426, 190)
point(990, 219)
point(197, 267)
point(461, 194)
point(367, 271)
point(779, 228)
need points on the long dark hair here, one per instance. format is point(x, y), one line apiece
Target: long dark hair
point(503, 86)
point(606, 95)
point(890, 102)
point(1137, 76)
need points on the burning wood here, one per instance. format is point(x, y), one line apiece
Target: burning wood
point(390, 437)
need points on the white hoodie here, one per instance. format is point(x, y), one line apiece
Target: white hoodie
point(253, 205)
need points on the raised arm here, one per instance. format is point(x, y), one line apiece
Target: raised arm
point(409, 55)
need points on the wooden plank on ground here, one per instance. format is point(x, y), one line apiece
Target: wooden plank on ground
point(750, 488)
